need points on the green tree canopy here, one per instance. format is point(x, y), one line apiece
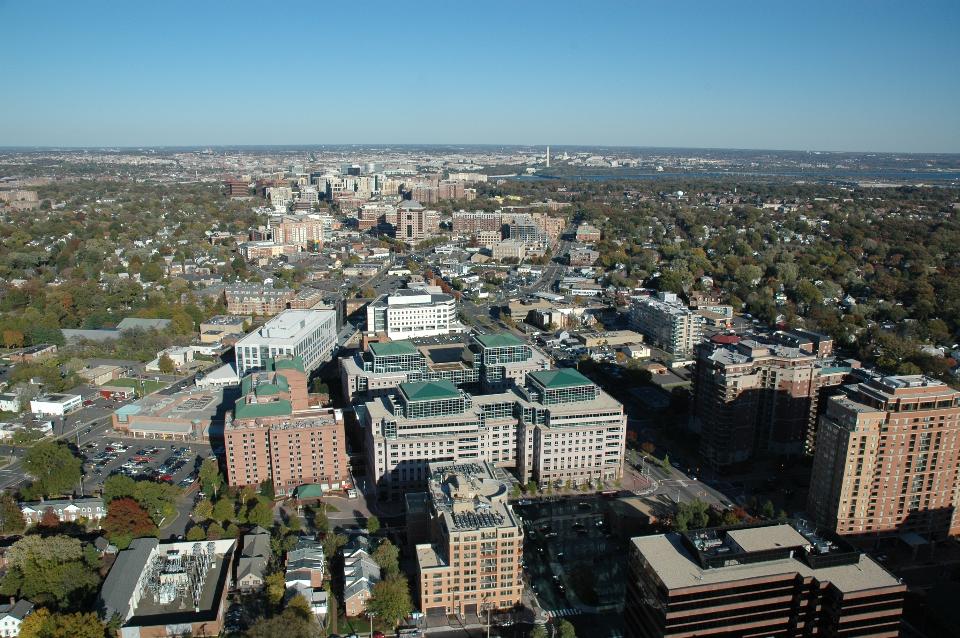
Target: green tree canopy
point(55, 469)
point(391, 601)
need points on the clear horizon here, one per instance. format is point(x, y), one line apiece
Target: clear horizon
point(858, 77)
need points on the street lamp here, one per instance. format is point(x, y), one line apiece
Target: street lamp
point(370, 615)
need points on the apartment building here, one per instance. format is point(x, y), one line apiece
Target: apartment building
point(523, 228)
point(587, 233)
point(303, 231)
point(667, 323)
point(411, 224)
point(887, 459)
point(473, 560)
point(781, 579)
point(560, 427)
point(760, 396)
point(308, 334)
point(256, 299)
point(450, 189)
point(276, 434)
point(408, 313)
point(472, 222)
point(214, 329)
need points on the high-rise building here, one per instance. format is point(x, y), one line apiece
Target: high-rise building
point(303, 231)
point(411, 223)
point(472, 563)
point(408, 313)
point(760, 396)
point(887, 459)
point(237, 188)
point(275, 433)
point(450, 189)
point(308, 334)
point(523, 228)
point(667, 323)
point(570, 430)
point(781, 579)
point(560, 427)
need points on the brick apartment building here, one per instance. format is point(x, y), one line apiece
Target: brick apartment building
point(887, 459)
point(277, 434)
point(472, 560)
point(761, 396)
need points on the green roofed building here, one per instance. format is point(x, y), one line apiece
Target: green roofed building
point(427, 399)
point(561, 386)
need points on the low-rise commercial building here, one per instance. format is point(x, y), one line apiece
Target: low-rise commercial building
point(214, 329)
point(55, 404)
point(185, 416)
point(473, 560)
point(771, 580)
point(308, 334)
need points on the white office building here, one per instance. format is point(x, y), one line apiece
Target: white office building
point(667, 323)
point(407, 314)
point(308, 334)
point(55, 404)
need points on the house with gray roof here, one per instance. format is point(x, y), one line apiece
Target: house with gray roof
point(254, 556)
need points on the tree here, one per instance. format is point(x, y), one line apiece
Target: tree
point(224, 510)
point(293, 622)
point(531, 487)
point(692, 515)
point(266, 489)
point(539, 631)
point(49, 518)
point(11, 517)
point(13, 338)
point(210, 478)
point(261, 513)
point(390, 600)
point(387, 557)
point(203, 510)
point(566, 630)
point(196, 533)
point(166, 364)
point(52, 570)
point(332, 544)
point(127, 520)
point(767, 511)
point(373, 524)
point(215, 531)
point(54, 467)
point(275, 587)
point(43, 624)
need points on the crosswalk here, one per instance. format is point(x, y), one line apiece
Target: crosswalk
point(563, 613)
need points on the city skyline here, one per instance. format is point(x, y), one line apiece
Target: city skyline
point(745, 78)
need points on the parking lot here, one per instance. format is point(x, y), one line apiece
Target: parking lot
point(175, 463)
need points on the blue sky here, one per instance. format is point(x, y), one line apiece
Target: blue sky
point(842, 75)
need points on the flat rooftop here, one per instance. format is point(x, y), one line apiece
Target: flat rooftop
point(675, 565)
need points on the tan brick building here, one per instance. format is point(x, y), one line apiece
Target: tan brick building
point(277, 434)
point(472, 563)
point(887, 459)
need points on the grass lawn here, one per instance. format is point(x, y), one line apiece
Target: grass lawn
point(149, 385)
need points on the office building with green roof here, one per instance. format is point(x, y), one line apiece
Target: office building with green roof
point(560, 427)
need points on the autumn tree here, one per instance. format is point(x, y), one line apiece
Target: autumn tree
point(43, 624)
point(11, 516)
point(166, 364)
point(387, 557)
point(127, 520)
